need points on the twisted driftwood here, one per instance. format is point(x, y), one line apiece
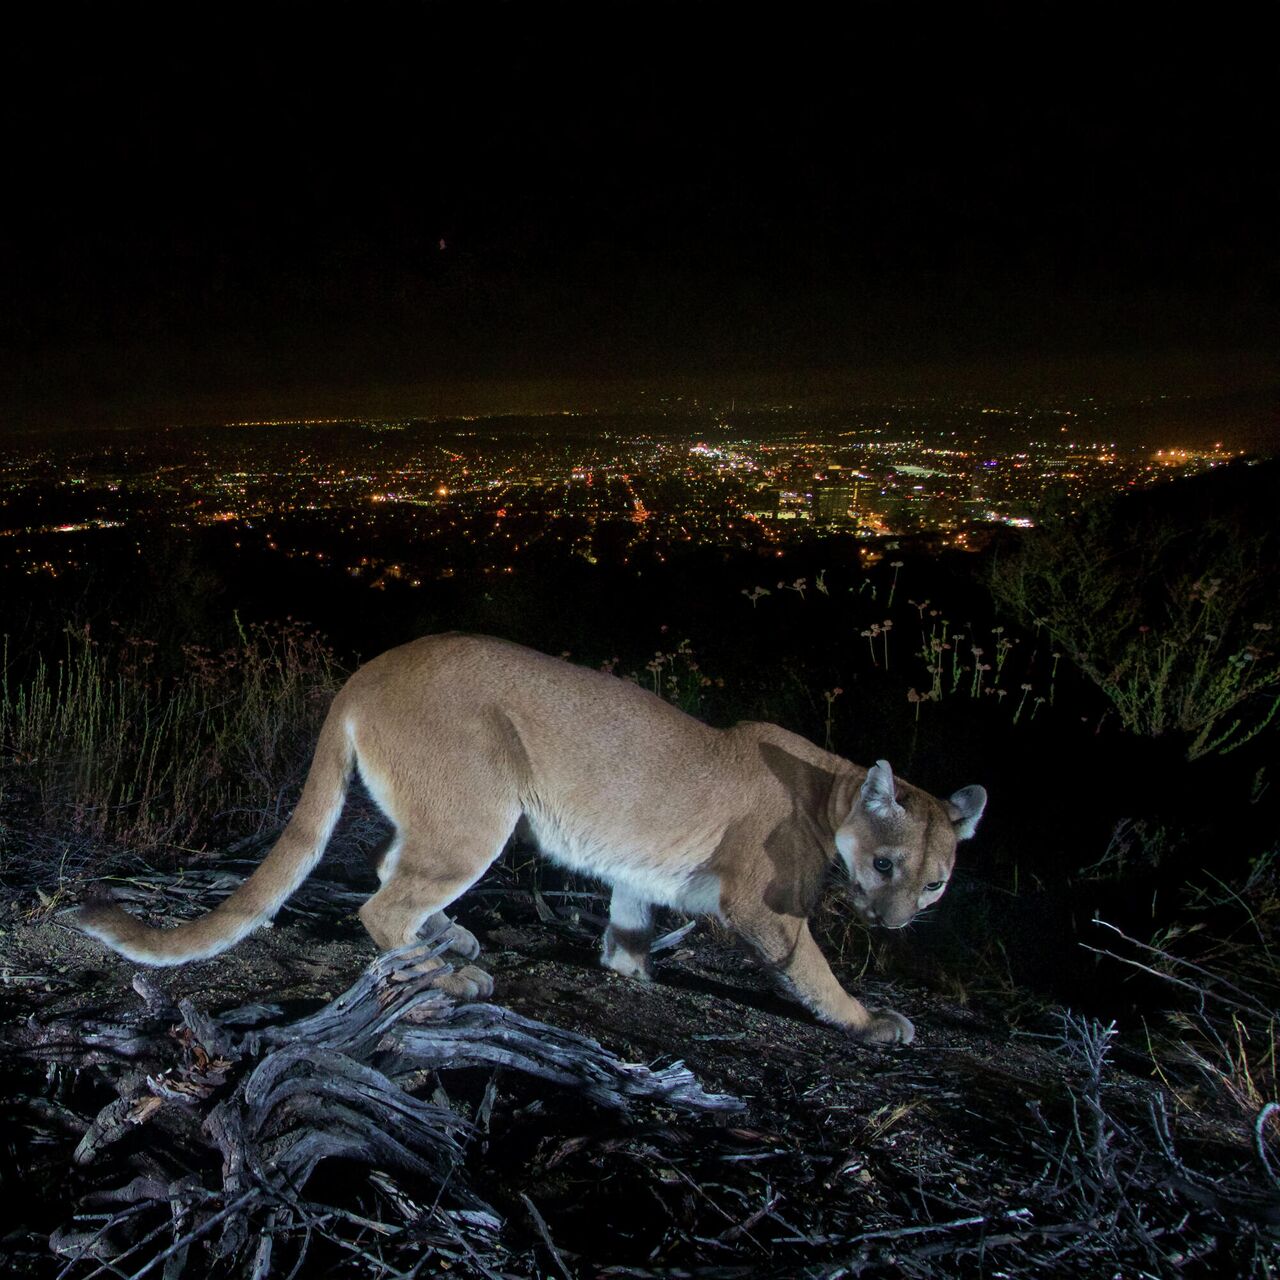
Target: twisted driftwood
point(265, 1103)
point(249, 1144)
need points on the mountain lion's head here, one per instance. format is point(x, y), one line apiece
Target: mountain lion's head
point(899, 844)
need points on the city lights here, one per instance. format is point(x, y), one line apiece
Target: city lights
point(408, 502)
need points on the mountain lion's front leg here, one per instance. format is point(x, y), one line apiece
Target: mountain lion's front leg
point(626, 940)
point(786, 943)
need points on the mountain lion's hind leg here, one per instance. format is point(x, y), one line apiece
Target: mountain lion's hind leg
point(428, 873)
point(626, 940)
point(462, 941)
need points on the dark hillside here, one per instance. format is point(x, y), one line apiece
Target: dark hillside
point(1092, 1087)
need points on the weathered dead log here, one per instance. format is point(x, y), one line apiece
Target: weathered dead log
point(397, 985)
point(250, 1109)
point(488, 1035)
point(395, 995)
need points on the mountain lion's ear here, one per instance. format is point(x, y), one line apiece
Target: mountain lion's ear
point(877, 796)
point(965, 808)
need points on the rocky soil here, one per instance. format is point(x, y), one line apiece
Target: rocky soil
point(978, 1150)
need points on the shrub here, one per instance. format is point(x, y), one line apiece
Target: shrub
point(112, 747)
point(1167, 602)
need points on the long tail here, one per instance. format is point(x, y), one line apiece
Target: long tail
point(291, 859)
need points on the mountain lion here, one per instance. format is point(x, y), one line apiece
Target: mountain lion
point(459, 737)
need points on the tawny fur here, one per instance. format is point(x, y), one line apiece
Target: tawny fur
point(460, 737)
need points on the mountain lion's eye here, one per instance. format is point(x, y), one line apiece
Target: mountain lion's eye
point(935, 885)
point(883, 866)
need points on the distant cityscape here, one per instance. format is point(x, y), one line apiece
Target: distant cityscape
point(418, 500)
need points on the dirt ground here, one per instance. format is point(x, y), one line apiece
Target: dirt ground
point(976, 1150)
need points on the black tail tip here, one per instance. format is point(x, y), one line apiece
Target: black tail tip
point(96, 904)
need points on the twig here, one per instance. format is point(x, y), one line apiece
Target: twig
point(1245, 1002)
point(1259, 1141)
point(545, 1233)
point(674, 938)
point(1168, 977)
point(744, 1227)
point(185, 1242)
point(979, 1220)
point(993, 1242)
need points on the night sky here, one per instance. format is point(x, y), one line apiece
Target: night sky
point(225, 215)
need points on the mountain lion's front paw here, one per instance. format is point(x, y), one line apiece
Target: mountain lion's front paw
point(626, 963)
point(885, 1027)
point(631, 961)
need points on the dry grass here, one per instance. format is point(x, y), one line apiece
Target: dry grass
point(102, 744)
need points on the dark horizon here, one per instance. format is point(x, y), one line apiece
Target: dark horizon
point(1182, 400)
point(284, 219)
